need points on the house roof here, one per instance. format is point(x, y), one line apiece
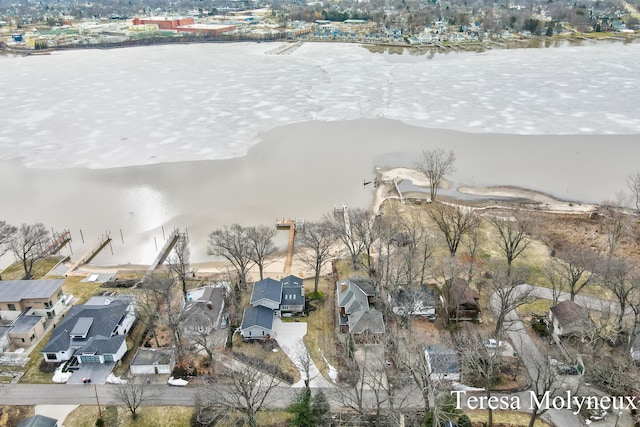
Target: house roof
point(102, 345)
point(370, 321)
point(268, 289)
point(442, 359)
point(257, 316)
point(105, 319)
point(351, 297)
point(153, 356)
point(24, 324)
point(17, 290)
point(209, 303)
point(38, 421)
point(4, 330)
point(366, 285)
point(568, 312)
point(461, 293)
point(292, 291)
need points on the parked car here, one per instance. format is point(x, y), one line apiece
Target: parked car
point(491, 343)
point(567, 370)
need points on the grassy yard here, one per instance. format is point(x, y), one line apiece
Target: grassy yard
point(41, 267)
point(320, 326)
point(82, 290)
point(166, 416)
point(504, 418)
point(262, 352)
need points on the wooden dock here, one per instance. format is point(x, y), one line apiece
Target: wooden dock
point(91, 253)
point(166, 249)
point(58, 243)
point(292, 225)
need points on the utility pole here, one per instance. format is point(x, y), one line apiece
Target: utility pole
point(95, 389)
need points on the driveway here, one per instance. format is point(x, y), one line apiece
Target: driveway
point(98, 372)
point(289, 336)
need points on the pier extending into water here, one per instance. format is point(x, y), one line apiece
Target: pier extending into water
point(166, 249)
point(91, 253)
point(292, 225)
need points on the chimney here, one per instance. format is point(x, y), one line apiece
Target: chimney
point(209, 305)
point(343, 286)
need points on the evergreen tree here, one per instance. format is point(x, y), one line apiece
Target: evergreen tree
point(321, 410)
point(301, 409)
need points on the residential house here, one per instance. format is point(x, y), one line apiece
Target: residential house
point(462, 301)
point(568, 319)
point(93, 332)
point(203, 309)
point(44, 297)
point(415, 301)
point(153, 361)
point(442, 362)
point(26, 330)
point(357, 315)
point(269, 298)
point(38, 421)
point(257, 323)
point(292, 300)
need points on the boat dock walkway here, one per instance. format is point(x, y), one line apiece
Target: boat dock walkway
point(166, 249)
point(91, 253)
point(292, 225)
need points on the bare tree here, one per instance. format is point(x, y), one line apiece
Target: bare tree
point(29, 245)
point(514, 235)
point(316, 239)
point(261, 241)
point(7, 233)
point(179, 261)
point(573, 269)
point(479, 363)
point(347, 230)
point(436, 164)
point(633, 182)
point(620, 277)
point(508, 292)
point(454, 222)
point(232, 244)
point(132, 394)
point(616, 224)
point(543, 382)
point(413, 250)
point(245, 389)
point(159, 289)
point(471, 241)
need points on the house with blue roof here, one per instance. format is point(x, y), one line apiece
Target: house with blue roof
point(94, 332)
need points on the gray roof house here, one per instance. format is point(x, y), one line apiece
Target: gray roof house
point(267, 293)
point(356, 315)
point(203, 309)
point(257, 323)
point(442, 362)
point(38, 421)
point(44, 297)
point(292, 300)
point(92, 333)
point(151, 361)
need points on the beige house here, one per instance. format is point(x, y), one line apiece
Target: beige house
point(44, 297)
point(26, 330)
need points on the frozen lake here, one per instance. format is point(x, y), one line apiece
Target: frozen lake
point(138, 139)
point(137, 106)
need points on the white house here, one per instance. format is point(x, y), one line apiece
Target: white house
point(150, 361)
point(92, 333)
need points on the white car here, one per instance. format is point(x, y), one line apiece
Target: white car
point(491, 343)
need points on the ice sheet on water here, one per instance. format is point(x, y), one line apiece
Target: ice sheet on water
point(171, 103)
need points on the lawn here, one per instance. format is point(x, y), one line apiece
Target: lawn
point(504, 418)
point(261, 352)
point(82, 290)
point(41, 267)
point(166, 416)
point(321, 325)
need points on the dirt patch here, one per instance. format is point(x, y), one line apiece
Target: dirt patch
point(10, 416)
